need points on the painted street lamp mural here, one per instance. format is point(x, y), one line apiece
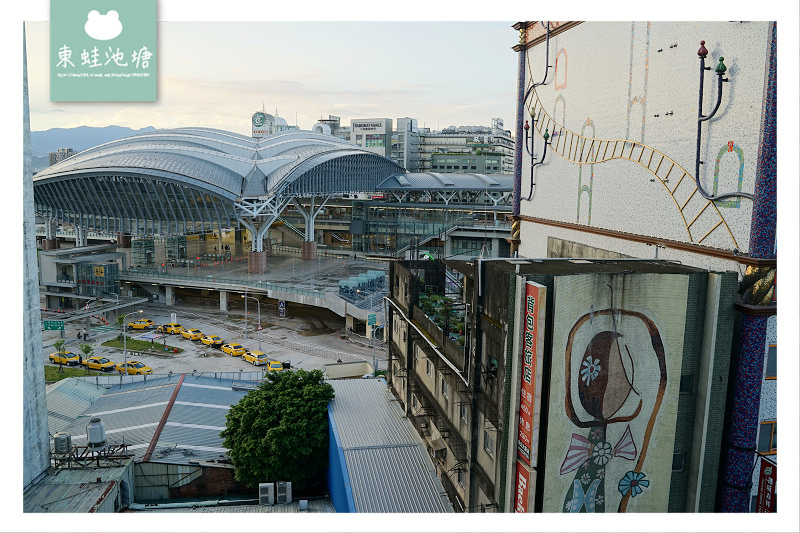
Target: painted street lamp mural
point(613, 385)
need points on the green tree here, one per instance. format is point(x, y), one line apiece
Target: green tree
point(87, 351)
point(59, 346)
point(279, 432)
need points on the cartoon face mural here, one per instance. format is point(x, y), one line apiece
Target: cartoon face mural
point(615, 380)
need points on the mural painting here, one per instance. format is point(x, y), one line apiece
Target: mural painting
point(615, 428)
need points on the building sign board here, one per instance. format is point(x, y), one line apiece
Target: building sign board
point(523, 495)
point(767, 479)
point(282, 308)
point(530, 377)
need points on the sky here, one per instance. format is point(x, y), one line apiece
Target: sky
point(217, 74)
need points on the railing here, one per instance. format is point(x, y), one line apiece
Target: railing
point(218, 282)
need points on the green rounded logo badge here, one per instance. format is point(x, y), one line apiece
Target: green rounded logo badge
point(259, 119)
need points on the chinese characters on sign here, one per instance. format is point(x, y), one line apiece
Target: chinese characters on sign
point(528, 374)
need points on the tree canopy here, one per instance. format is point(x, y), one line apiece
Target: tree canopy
point(279, 431)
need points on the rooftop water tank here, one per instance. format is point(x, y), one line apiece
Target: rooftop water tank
point(96, 434)
point(62, 442)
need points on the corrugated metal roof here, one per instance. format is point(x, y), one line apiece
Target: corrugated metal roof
point(360, 400)
point(67, 399)
point(389, 470)
point(395, 479)
point(71, 490)
point(314, 506)
point(131, 413)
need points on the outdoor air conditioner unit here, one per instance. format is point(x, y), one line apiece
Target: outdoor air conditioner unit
point(283, 492)
point(266, 493)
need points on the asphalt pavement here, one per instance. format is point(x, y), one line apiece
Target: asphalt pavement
point(309, 338)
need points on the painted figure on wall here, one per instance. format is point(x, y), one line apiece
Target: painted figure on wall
point(605, 379)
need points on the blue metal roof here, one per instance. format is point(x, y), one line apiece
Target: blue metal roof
point(373, 434)
point(437, 181)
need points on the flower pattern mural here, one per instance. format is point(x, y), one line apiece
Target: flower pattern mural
point(614, 383)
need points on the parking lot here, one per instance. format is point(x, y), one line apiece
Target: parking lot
point(309, 339)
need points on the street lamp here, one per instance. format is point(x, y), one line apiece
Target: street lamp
point(245, 316)
point(124, 338)
point(245, 307)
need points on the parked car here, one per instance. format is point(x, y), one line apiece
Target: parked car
point(212, 340)
point(173, 328)
point(134, 367)
point(256, 357)
point(274, 366)
point(233, 349)
point(142, 323)
point(99, 363)
point(192, 334)
point(66, 358)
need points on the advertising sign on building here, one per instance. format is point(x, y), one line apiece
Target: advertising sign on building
point(767, 477)
point(260, 127)
point(375, 125)
point(523, 495)
point(530, 379)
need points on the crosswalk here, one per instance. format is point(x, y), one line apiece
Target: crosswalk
point(103, 329)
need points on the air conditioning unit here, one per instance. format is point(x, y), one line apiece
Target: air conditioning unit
point(283, 492)
point(266, 493)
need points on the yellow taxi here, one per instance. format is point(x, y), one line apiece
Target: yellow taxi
point(142, 323)
point(173, 327)
point(212, 340)
point(134, 367)
point(66, 358)
point(256, 357)
point(192, 334)
point(99, 363)
point(233, 349)
point(274, 366)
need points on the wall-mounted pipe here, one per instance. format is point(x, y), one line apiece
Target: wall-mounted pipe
point(546, 138)
point(720, 71)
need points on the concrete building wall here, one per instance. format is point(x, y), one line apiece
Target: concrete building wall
point(36, 442)
point(648, 93)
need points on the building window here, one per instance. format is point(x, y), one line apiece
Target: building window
point(428, 367)
point(772, 362)
point(414, 401)
point(444, 388)
point(473, 167)
point(768, 437)
point(460, 477)
point(488, 443)
point(464, 413)
point(686, 384)
point(677, 462)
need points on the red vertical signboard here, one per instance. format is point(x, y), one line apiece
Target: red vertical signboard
point(767, 478)
point(524, 480)
point(527, 383)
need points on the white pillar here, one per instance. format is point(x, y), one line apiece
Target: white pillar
point(223, 300)
point(170, 295)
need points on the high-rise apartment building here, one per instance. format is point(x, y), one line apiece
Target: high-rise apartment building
point(60, 155)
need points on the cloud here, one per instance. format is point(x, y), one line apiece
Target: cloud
point(103, 27)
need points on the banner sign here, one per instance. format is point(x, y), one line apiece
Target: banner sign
point(529, 402)
point(767, 477)
point(523, 494)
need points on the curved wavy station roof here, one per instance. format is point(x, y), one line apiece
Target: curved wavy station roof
point(192, 176)
point(190, 180)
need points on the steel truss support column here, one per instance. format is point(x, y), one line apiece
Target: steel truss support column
point(50, 241)
point(257, 216)
point(309, 242)
point(80, 236)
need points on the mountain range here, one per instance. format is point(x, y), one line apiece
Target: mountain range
point(79, 139)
